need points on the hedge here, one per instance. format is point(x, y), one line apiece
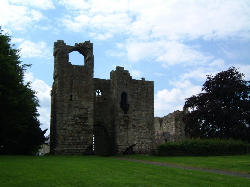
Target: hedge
point(203, 147)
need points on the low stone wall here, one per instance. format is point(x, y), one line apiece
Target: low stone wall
point(169, 128)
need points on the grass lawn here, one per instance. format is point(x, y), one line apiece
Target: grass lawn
point(101, 171)
point(239, 163)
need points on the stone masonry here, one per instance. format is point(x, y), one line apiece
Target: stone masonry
point(169, 128)
point(98, 116)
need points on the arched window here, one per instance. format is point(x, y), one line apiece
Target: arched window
point(124, 102)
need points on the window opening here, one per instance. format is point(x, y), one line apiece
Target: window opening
point(76, 58)
point(71, 98)
point(124, 102)
point(98, 93)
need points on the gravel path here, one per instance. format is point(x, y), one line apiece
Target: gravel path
point(171, 165)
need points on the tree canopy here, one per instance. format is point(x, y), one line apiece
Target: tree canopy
point(222, 109)
point(20, 131)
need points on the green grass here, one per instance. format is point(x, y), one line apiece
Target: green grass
point(239, 163)
point(101, 171)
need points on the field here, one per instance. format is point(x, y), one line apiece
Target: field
point(104, 171)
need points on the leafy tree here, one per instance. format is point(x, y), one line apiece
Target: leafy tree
point(20, 131)
point(222, 110)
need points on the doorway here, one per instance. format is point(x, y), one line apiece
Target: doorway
point(101, 142)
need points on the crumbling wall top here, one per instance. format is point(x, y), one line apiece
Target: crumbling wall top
point(85, 48)
point(120, 72)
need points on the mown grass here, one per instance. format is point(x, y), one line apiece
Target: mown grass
point(101, 171)
point(239, 163)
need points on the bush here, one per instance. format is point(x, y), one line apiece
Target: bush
point(204, 147)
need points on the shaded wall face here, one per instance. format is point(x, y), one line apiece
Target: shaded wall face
point(133, 118)
point(72, 105)
point(103, 118)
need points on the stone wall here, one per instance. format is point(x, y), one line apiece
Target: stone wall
point(98, 115)
point(134, 117)
point(169, 128)
point(72, 101)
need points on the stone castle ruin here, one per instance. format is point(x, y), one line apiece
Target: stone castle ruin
point(104, 117)
point(98, 116)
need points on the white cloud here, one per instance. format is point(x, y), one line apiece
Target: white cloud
point(44, 118)
point(245, 69)
point(155, 19)
point(97, 6)
point(160, 30)
point(101, 27)
point(178, 19)
point(197, 74)
point(16, 40)
point(42, 4)
point(43, 90)
point(219, 63)
point(17, 17)
point(101, 36)
point(30, 49)
point(169, 100)
point(43, 94)
point(216, 66)
point(176, 52)
point(166, 52)
point(136, 73)
point(75, 4)
point(77, 23)
point(137, 51)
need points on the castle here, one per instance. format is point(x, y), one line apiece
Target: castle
point(98, 116)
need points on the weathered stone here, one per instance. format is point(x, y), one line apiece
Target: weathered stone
point(72, 100)
point(169, 128)
point(117, 113)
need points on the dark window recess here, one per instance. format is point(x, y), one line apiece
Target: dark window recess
point(124, 102)
point(71, 97)
point(98, 93)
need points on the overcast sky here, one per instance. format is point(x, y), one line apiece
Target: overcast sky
point(175, 43)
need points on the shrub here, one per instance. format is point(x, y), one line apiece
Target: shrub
point(204, 147)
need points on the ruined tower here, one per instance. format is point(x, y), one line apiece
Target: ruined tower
point(72, 100)
point(91, 115)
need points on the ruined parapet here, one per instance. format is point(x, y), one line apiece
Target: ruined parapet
point(72, 100)
point(169, 128)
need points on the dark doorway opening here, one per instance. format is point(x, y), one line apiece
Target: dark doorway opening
point(101, 141)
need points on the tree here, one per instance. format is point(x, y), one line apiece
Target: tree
point(20, 131)
point(222, 110)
